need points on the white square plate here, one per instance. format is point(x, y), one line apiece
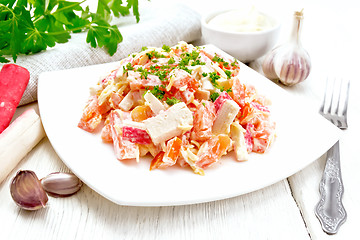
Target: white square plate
point(302, 137)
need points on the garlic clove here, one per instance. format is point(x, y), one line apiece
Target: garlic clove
point(27, 192)
point(294, 68)
point(61, 184)
point(268, 65)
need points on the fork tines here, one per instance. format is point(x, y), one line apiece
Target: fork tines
point(335, 102)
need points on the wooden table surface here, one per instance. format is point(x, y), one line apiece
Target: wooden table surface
point(284, 210)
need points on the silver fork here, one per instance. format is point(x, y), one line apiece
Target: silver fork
point(330, 210)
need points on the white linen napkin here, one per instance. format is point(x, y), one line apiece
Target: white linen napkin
point(159, 24)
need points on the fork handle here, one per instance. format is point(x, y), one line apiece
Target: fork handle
point(330, 210)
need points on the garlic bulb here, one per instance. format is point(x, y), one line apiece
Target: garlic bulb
point(290, 62)
point(61, 184)
point(27, 192)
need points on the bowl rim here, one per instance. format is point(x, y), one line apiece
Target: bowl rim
point(206, 18)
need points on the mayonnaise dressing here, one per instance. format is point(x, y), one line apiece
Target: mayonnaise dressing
point(247, 20)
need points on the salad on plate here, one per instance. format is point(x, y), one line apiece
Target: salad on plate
point(184, 105)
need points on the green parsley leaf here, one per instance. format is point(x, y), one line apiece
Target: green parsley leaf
point(213, 78)
point(166, 48)
point(228, 73)
point(214, 96)
point(128, 67)
point(144, 72)
point(30, 26)
point(219, 60)
point(161, 74)
point(172, 101)
point(171, 60)
point(157, 92)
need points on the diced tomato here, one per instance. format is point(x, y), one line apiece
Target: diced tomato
point(185, 96)
point(172, 151)
point(245, 114)
point(211, 150)
point(139, 82)
point(226, 64)
point(135, 135)
point(157, 160)
point(141, 113)
point(91, 116)
point(170, 156)
point(253, 113)
point(183, 78)
point(242, 93)
point(221, 99)
point(204, 58)
point(204, 117)
point(238, 91)
point(263, 135)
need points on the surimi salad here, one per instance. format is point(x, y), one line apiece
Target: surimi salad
point(182, 105)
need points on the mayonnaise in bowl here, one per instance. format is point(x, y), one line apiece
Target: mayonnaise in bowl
point(242, 20)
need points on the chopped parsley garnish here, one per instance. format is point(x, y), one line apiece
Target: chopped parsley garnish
point(143, 72)
point(213, 78)
point(219, 60)
point(161, 74)
point(157, 92)
point(216, 58)
point(214, 96)
point(171, 60)
point(144, 48)
point(197, 62)
point(166, 48)
point(172, 101)
point(128, 67)
point(186, 57)
point(228, 73)
point(185, 69)
point(233, 64)
point(155, 54)
point(204, 74)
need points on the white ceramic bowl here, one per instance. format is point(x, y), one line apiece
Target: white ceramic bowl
point(245, 46)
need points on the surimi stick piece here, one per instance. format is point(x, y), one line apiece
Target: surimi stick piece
point(13, 82)
point(18, 139)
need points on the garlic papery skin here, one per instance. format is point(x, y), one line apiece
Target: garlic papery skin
point(27, 192)
point(61, 184)
point(290, 63)
point(268, 65)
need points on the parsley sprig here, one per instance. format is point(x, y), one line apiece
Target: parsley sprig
point(31, 26)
